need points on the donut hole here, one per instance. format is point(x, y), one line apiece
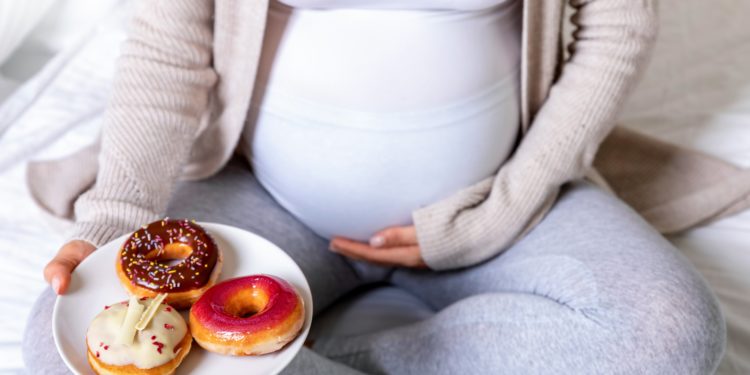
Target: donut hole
point(246, 314)
point(246, 303)
point(171, 255)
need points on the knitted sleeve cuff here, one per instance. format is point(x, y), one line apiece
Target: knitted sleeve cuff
point(94, 233)
point(450, 237)
point(445, 239)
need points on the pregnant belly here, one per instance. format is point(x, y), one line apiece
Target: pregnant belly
point(362, 116)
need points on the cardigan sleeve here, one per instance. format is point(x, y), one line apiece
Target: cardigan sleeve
point(160, 92)
point(611, 43)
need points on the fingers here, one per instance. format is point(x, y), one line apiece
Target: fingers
point(395, 237)
point(404, 256)
point(394, 246)
point(58, 270)
point(57, 273)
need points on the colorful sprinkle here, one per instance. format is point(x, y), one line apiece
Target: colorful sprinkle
point(159, 346)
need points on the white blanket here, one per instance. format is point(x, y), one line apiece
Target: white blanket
point(53, 114)
point(696, 93)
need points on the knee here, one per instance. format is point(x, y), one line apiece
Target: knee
point(678, 333)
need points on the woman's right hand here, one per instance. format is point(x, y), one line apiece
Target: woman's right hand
point(58, 270)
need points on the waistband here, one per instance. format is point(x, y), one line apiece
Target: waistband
point(295, 108)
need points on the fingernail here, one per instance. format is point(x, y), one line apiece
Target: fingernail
point(377, 241)
point(56, 284)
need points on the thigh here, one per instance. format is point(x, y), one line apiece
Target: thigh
point(601, 263)
point(235, 197)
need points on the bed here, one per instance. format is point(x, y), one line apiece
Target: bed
point(695, 93)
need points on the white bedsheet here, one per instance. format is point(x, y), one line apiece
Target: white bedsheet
point(697, 93)
point(53, 114)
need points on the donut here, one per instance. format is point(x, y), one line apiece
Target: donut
point(157, 349)
point(146, 261)
point(251, 315)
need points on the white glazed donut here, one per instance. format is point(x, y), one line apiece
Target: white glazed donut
point(157, 349)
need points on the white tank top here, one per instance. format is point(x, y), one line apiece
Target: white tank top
point(365, 110)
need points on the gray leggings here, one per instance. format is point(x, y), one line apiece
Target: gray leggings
point(591, 290)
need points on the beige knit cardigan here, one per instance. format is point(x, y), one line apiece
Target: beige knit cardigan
point(183, 88)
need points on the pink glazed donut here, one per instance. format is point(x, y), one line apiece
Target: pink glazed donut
point(249, 315)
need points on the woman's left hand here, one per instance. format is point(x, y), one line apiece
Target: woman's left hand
point(394, 246)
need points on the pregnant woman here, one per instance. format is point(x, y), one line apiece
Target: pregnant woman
point(436, 145)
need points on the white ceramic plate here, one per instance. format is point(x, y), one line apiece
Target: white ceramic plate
point(95, 284)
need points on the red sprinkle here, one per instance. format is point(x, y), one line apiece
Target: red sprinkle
point(159, 346)
point(106, 307)
point(169, 309)
point(101, 344)
point(168, 326)
point(153, 337)
point(97, 354)
point(106, 347)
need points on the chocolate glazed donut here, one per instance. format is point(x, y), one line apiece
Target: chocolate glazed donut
point(176, 257)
